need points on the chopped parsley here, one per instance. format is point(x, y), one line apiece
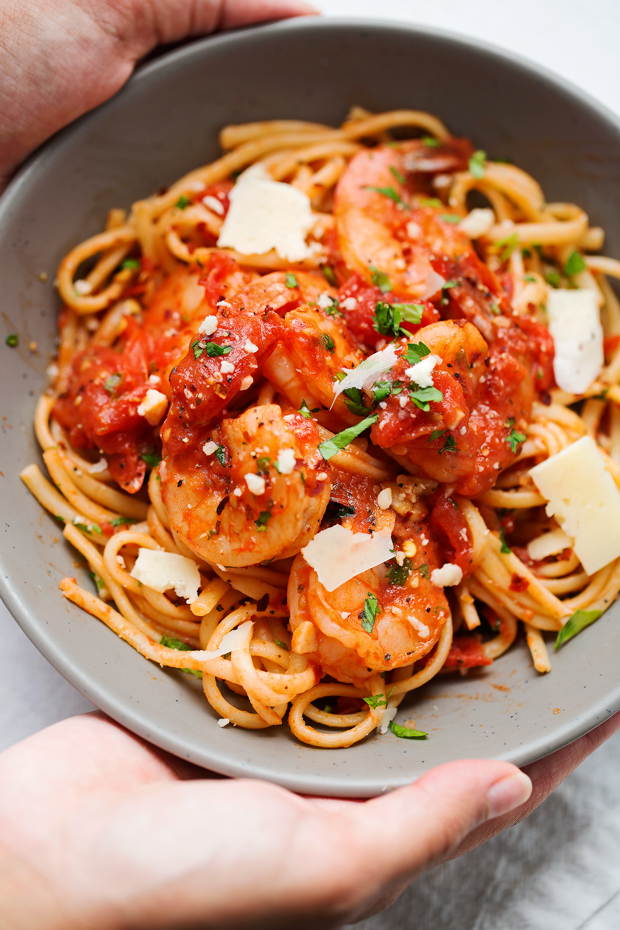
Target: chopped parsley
point(507, 246)
point(449, 284)
point(262, 464)
point(220, 454)
point(98, 581)
point(423, 569)
point(113, 382)
point(388, 317)
point(574, 264)
point(477, 164)
point(449, 444)
point(505, 548)
point(305, 410)
point(330, 275)
point(388, 192)
point(405, 733)
point(152, 459)
point(553, 278)
point(336, 511)
point(380, 280)
point(431, 142)
point(369, 613)
point(378, 700)
point(575, 624)
point(514, 438)
point(328, 342)
point(415, 352)
point(12, 340)
point(398, 574)
point(354, 400)
point(452, 218)
point(89, 528)
point(422, 396)
point(430, 202)
point(291, 280)
point(121, 521)
point(381, 391)
point(130, 263)
point(183, 202)
point(281, 645)
point(396, 174)
point(212, 349)
point(334, 309)
point(531, 278)
point(263, 519)
point(341, 440)
point(171, 643)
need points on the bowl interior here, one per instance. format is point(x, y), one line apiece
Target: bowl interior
point(163, 123)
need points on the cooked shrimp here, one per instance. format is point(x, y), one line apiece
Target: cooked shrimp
point(254, 488)
point(378, 231)
point(409, 612)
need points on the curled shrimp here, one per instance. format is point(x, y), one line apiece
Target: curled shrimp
point(254, 489)
point(382, 619)
point(383, 226)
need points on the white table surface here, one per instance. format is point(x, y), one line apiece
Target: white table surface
point(560, 870)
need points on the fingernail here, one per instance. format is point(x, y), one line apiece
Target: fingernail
point(507, 794)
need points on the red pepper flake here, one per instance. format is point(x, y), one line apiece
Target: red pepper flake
point(518, 583)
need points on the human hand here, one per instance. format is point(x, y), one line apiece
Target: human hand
point(101, 831)
point(61, 58)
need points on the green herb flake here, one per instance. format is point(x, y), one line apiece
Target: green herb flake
point(263, 519)
point(380, 280)
point(113, 382)
point(183, 202)
point(575, 624)
point(477, 164)
point(415, 352)
point(423, 569)
point(514, 438)
point(531, 278)
point(369, 613)
point(449, 445)
point(422, 396)
point(12, 340)
point(281, 645)
point(341, 440)
point(574, 264)
point(354, 400)
point(378, 700)
point(171, 643)
point(330, 275)
point(381, 391)
point(553, 278)
point(220, 454)
point(410, 313)
point(430, 142)
point(505, 548)
point(121, 521)
point(431, 202)
point(328, 342)
point(396, 174)
point(507, 246)
point(405, 733)
point(398, 574)
point(214, 350)
point(291, 280)
point(98, 581)
point(388, 192)
point(262, 464)
point(152, 459)
point(452, 218)
point(131, 263)
point(305, 410)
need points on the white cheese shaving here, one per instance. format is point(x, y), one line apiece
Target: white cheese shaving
point(575, 325)
point(162, 571)
point(434, 283)
point(153, 407)
point(447, 576)
point(337, 554)
point(249, 346)
point(154, 379)
point(226, 367)
point(214, 204)
point(247, 382)
point(208, 325)
point(388, 715)
point(421, 372)
point(266, 214)
point(414, 231)
point(477, 222)
point(585, 501)
point(209, 447)
point(286, 461)
point(255, 483)
point(548, 544)
point(349, 303)
point(365, 375)
point(223, 721)
point(231, 641)
point(384, 498)
point(325, 300)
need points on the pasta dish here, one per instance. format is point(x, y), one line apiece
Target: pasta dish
point(330, 415)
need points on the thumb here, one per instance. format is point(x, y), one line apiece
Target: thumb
point(403, 834)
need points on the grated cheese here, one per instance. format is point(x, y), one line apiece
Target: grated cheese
point(286, 461)
point(153, 407)
point(337, 554)
point(208, 325)
point(447, 576)
point(421, 372)
point(365, 374)
point(162, 571)
point(585, 501)
point(255, 483)
point(266, 214)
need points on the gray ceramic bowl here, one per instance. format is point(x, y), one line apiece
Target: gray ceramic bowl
point(163, 123)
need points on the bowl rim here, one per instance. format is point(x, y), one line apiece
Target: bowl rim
point(105, 698)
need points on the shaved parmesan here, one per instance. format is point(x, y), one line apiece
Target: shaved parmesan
point(231, 641)
point(337, 554)
point(214, 204)
point(575, 325)
point(255, 483)
point(584, 499)
point(434, 283)
point(388, 715)
point(548, 544)
point(365, 375)
point(153, 407)
point(223, 721)
point(447, 576)
point(162, 571)
point(266, 214)
point(421, 372)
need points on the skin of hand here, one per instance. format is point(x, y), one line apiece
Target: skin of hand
point(61, 58)
point(101, 831)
